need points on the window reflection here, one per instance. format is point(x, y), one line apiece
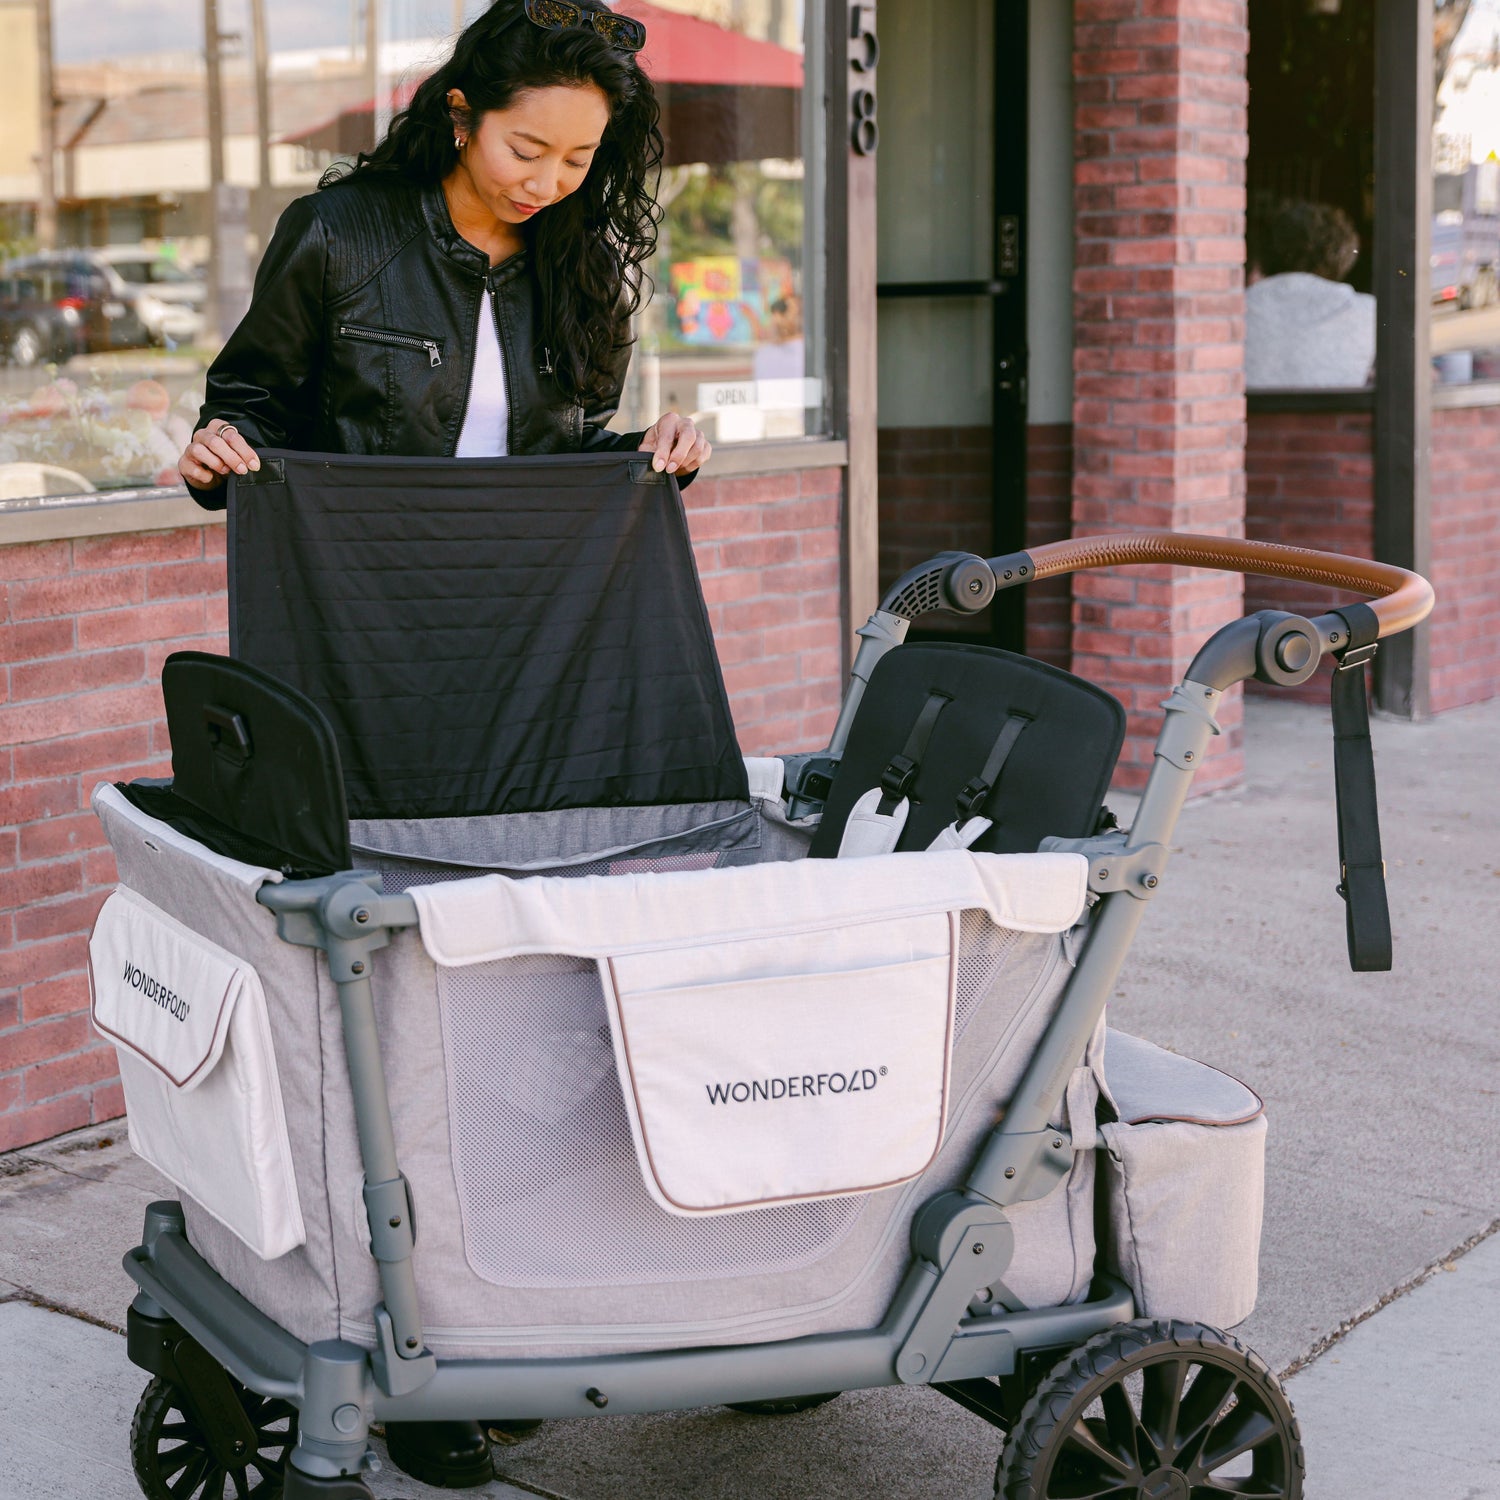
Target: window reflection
point(1465, 257)
point(726, 338)
point(106, 330)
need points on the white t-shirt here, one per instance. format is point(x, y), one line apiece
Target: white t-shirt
point(487, 418)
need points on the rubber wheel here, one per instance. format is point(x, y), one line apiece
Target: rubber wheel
point(1173, 1411)
point(26, 347)
point(171, 1456)
point(783, 1406)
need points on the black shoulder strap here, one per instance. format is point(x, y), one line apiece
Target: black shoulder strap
point(1367, 917)
point(900, 775)
point(976, 793)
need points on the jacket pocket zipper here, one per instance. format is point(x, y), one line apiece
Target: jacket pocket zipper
point(401, 340)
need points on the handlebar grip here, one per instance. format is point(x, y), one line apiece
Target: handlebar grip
point(1402, 598)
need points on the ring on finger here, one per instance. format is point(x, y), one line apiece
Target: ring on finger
point(226, 429)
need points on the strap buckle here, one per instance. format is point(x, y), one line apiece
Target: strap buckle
point(973, 797)
point(898, 778)
point(1357, 656)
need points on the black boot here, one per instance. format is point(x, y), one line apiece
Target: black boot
point(446, 1455)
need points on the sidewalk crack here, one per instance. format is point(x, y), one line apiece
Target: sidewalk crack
point(35, 1299)
point(1338, 1335)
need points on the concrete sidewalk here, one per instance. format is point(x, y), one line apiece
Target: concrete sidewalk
point(1380, 1281)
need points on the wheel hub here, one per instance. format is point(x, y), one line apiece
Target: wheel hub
point(1165, 1484)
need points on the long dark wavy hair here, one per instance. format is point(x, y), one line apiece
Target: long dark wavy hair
point(588, 249)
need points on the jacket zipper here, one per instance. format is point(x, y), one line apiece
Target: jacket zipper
point(401, 340)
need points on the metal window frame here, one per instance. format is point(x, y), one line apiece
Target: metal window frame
point(1403, 366)
point(850, 305)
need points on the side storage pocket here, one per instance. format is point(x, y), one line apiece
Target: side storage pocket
point(1184, 1172)
point(804, 1065)
point(202, 1096)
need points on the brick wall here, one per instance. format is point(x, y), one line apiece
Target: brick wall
point(84, 628)
point(1049, 518)
point(1158, 411)
point(768, 553)
point(1465, 556)
point(935, 496)
point(1310, 483)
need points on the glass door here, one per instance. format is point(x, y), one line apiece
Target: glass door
point(951, 201)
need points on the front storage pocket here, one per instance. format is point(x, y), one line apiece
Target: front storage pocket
point(803, 1065)
point(202, 1096)
point(1184, 1169)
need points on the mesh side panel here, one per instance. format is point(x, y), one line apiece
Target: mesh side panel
point(548, 1182)
point(983, 951)
point(546, 1168)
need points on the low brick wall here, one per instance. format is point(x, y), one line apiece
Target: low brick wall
point(1465, 556)
point(935, 497)
point(1310, 480)
point(1311, 484)
point(86, 625)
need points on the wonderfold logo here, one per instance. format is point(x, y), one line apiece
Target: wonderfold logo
point(155, 991)
point(795, 1086)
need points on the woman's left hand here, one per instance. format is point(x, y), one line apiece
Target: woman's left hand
point(679, 447)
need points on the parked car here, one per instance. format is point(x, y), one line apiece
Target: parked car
point(34, 327)
point(169, 296)
point(82, 282)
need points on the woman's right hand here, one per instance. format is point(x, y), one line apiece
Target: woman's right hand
point(213, 452)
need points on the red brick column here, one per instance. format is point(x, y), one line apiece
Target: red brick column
point(1158, 409)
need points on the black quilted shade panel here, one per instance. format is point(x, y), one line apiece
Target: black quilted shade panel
point(486, 636)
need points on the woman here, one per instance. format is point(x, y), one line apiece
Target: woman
point(466, 288)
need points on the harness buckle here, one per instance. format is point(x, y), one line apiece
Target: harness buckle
point(898, 778)
point(972, 798)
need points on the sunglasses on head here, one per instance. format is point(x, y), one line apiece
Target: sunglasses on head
point(623, 32)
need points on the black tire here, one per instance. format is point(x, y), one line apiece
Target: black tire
point(783, 1406)
point(1170, 1410)
point(167, 1444)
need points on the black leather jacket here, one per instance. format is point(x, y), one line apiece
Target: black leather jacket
point(360, 336)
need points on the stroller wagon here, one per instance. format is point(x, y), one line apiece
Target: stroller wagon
point(487, 1100)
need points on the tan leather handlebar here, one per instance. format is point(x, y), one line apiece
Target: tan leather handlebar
point(1401, 598)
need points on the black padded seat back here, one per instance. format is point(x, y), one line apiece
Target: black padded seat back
point(255, 768)
point(487, 635)
point(1058, 738)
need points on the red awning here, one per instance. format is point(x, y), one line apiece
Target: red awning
point(680, 50)
point(684, 49)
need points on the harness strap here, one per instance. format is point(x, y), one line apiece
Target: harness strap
point(977, 792)
point(1367, 917)
point(900, 776)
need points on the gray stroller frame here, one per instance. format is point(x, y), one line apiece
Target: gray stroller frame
point(190, 1327)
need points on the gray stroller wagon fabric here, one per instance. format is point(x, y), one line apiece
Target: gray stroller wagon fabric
point(1184, 1171)
point(486, 636)
point(538, 1236)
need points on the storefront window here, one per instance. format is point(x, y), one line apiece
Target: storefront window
point(1466, 193)
point(1309, 315)
point(732, 333)
point(112, 287)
